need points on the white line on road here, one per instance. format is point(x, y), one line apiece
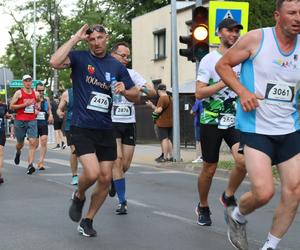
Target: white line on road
point(22, 164)
point(161, 172)
point(139, 204)
point(57, 174)
point(173, 216)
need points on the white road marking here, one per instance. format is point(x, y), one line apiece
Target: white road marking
point(176, 217)
point(139, 204)
point(56, 174)
point(161, 172)
point(22, 164)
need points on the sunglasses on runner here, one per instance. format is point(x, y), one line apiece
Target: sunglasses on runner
point(98, 28)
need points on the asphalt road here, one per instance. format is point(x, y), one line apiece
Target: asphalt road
point(161, 203)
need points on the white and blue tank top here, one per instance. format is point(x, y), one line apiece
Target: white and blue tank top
point(275, 76)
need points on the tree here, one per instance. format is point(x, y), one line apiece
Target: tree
point(261, 13)
point(110, 13)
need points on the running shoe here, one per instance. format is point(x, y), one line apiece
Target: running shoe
point(30, 169)
point(122, 208)
point(161, 160)
point(159, 157)
point(228, 201)
point(17, 157)
point(57, 147)
point(63, 145)
point(86, 228)
point(112, 189)
point(75, 210)
point(41, 166)
point(198, 160)
point(236, 232)
point(74, 180)
point(1, 180)
point(170, 159)
point(203, 214)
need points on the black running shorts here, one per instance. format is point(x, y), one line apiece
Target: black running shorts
point(69, 137)
point(42, 130)
point(211, 138)
point(279, 148)
point(2, 138)
point(126, 132)
point(99, 141)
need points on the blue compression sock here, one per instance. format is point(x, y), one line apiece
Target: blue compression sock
point(120, 189)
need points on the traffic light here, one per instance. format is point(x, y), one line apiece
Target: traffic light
point(197, 42)
point(200, 43)
point(188, 52)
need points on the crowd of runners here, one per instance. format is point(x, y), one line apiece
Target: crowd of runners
point(249, 88)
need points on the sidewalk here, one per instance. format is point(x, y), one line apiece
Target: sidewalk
point(146, 153)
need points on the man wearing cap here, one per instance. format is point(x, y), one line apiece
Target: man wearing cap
point(163, 117)
point(217, 122)
point(24, 102)
point(93, 74)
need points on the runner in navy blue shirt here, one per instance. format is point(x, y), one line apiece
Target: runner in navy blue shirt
point(93, 72)
point(3, 114)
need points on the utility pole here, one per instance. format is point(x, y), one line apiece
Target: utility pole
point(175, 89)
point(55, 71)
point(34, 40)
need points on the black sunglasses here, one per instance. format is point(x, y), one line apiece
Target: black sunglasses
point(98, 28)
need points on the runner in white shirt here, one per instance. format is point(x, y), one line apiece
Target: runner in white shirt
point(123, 117)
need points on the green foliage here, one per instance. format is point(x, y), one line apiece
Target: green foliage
point(115, 15)
point(261, 13)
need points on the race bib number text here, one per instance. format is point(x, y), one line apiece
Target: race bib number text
point(226, 121)
point(99, 102)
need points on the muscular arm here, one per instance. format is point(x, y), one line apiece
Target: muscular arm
point(131, 94)
point(62, 104)
point(50, 118)
point(241, 51)
point(203, 90)
point(60, 59)
point(150, 89)
point(14, 100)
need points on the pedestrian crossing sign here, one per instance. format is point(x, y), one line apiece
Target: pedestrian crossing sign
point(218, 11)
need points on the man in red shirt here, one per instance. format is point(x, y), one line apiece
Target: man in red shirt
point(24, 102)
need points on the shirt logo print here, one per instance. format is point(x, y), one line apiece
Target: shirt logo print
point(91, 69)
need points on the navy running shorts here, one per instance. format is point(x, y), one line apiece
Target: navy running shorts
point(279, 148)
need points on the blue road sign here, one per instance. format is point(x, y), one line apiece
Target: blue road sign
point(227, 13)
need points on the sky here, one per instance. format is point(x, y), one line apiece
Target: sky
point(6, 21)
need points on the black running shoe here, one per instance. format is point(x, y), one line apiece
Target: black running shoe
point(63, 145)
point(159, 157)
point(17, 157)
point(228, 201)
point(75, 210)
point(30, 169)
point(112, 190)
point(203, 214)
point(122, 208)
point(86, 228)
point(1, 180)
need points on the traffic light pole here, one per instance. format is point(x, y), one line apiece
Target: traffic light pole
point(175, 89)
